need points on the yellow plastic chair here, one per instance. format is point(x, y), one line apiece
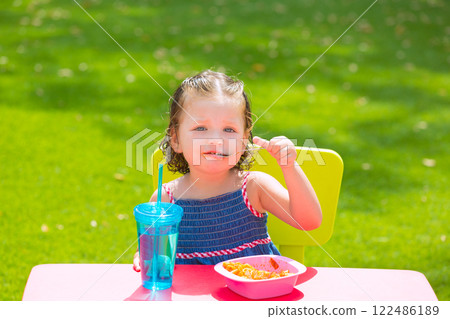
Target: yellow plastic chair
point(324, 169)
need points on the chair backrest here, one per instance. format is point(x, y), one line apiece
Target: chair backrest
point(324, 169)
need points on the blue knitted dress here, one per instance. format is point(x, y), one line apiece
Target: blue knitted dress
point(220, 228)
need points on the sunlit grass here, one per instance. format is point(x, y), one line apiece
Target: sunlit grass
point(71, 98)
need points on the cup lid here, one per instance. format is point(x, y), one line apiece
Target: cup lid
point(153, 214)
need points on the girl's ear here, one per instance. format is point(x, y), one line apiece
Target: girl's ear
point(174, 141)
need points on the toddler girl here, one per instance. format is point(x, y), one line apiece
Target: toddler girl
point(225, 206)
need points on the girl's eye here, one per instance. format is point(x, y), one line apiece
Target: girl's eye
point(200, 128)
point(229, 130)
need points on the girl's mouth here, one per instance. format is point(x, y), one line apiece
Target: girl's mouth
point(211, 155)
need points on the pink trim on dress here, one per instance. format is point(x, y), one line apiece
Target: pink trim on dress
point(168, 190)
point(246, 200)
point(224, 251)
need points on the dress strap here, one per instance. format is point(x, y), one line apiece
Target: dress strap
point(244, 194)
point(166, 188)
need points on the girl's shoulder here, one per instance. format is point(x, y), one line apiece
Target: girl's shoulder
point(255, 178)
point(164, 196)
point(256, 182)
point(166, 191)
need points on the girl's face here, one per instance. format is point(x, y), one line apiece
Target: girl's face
point(212, 137)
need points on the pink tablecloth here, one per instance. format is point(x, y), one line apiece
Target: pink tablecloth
point(192, 282)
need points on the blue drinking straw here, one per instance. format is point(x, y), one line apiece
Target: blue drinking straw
point(155, 262)
point(160, 174)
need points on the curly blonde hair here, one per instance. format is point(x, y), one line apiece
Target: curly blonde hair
point(205, 83)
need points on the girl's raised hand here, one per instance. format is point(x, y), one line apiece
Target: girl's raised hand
point(281, 148)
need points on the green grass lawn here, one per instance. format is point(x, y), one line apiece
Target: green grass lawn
point(70, 98)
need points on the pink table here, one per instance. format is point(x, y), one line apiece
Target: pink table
point(193, 282)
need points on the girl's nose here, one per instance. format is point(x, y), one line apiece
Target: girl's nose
point(215, 141)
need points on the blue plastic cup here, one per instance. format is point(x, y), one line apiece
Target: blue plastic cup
point(157, 229)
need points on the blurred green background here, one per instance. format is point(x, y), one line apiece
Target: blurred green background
point(70, 98)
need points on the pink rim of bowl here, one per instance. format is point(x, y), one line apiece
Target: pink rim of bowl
point(264, 288)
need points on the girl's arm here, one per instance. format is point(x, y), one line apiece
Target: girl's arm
point(298, 205)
